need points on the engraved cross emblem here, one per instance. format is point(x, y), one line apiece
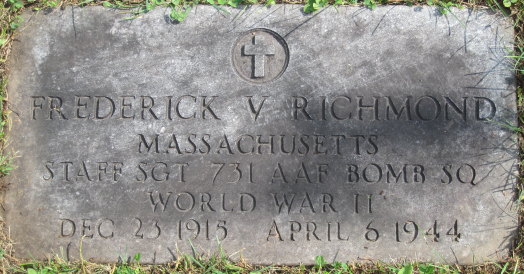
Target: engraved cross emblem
point(259, 50)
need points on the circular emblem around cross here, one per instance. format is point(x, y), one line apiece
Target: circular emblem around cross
point(260, 55)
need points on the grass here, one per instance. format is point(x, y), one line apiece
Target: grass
point(219, 262)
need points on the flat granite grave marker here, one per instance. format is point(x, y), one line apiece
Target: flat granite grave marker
point(352, 134)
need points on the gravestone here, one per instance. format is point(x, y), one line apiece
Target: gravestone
point(354, 134)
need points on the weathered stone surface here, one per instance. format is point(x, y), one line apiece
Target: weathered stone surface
point(379, 128)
